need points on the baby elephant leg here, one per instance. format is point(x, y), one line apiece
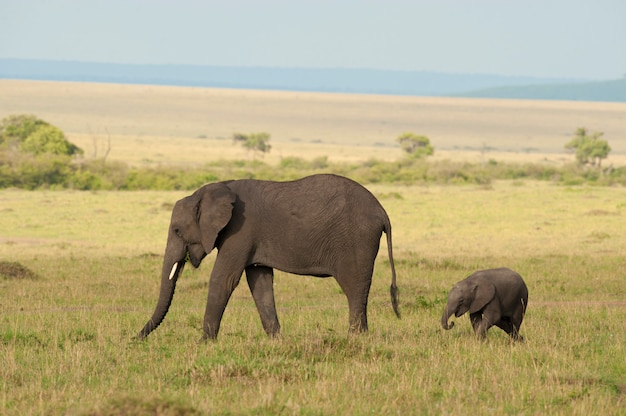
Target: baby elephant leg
point(475, 319)
point(507, 326)
point(490, 316)
point(479, 324)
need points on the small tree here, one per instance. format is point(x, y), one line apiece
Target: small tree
point(255, 142)
point(34, 153)
point(589, 148)
point(28, 134)
point(48, 139)
point(416, 146)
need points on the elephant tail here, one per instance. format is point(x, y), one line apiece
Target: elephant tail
point(393, 289)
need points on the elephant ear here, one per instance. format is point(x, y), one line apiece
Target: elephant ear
point(484, 292)
point(214, 212)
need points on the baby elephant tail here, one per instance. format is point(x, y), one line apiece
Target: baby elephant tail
point(393, 289)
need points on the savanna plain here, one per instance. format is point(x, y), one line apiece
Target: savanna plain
point(80, 276)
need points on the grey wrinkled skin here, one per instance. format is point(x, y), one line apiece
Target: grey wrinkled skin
point(493, 297)
point(321, 225)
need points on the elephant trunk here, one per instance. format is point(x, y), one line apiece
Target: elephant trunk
point(447, 313)
point(170, 274)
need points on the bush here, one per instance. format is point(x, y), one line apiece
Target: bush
point(615, 176)
point(414, 145)
point(49, 171)
point(589, 148)
point(32, 135)
point(17, 128)
point(255, 142)
point(33, 172)
point(34, 154)
point(48, 139)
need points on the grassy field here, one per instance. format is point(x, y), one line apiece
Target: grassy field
point(66, 334)
point(80, 270)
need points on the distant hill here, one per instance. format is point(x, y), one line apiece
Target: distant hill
point(363, 81)
point(583, 91)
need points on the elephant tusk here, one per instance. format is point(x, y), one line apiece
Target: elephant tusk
point(173, 272)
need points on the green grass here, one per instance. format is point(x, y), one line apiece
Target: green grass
point(66, 333)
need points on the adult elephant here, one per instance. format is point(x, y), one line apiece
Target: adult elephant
point(321, 225)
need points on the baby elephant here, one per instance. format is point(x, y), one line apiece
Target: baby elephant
point(492, 297)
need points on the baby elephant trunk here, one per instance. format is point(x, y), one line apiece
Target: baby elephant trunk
point(445, 317)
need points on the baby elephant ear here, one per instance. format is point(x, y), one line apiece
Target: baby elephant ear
point(214, 212)
point(484, 291)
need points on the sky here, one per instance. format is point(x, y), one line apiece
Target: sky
point(578, 39)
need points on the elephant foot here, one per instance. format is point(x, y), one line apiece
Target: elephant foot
point(276, 336)
point(272, 332)
point(357, 329)
point(481, 334)
point(272, 329)
point(208, 337)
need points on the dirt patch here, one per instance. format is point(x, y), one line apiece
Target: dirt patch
point(10, 270)
point(21, 240)
point(601, 213)
point(126, 405)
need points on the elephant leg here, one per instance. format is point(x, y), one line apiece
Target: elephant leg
point(357, 292)
point(516, 323)
point(476, 319)
point(516, 336)
point(491, 315)
point(220, 290)
point(510, 328)
point(261, 283)
point(506, 325)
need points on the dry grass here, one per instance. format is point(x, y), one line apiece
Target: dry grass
point(506, 219)
point(159, 124)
